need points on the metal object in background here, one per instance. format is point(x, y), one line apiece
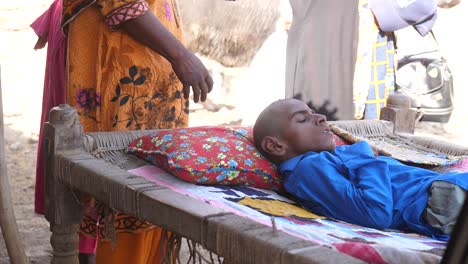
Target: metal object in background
point(426, 78)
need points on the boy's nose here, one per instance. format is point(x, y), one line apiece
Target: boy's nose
point(319, 119)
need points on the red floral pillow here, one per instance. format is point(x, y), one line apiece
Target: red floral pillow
point(209, 155)
point(339, 141)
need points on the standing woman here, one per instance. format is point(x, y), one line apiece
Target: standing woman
point(127, 69)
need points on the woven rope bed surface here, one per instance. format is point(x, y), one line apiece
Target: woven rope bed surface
point(406, 148)
point(111, 147)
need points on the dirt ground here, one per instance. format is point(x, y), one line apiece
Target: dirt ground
point(22, 71)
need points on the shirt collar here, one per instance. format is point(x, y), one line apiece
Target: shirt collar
point(290, 164)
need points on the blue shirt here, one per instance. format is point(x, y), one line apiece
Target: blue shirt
point(352, 185)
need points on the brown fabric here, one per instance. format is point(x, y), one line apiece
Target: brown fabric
point(321, 55)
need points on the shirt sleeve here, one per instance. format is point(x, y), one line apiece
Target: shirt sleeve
point(352, 186)
point(42, 24)
point(116, 12)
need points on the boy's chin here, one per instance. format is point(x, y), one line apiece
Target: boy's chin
point(332, 146)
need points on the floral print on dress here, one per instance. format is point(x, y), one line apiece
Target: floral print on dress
point(167, 8)
point(148, 110)
point(87, 101)
point(209, 155)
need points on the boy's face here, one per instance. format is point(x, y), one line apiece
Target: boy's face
point(304, 130)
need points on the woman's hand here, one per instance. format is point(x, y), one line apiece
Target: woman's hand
point(192, 73)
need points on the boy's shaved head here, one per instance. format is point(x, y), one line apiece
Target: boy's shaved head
point(269, 122)
point(288, 128)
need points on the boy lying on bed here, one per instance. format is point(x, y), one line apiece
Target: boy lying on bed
point(351, 183)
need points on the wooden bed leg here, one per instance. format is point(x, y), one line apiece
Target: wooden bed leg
point(63, 133)
point(64, 241)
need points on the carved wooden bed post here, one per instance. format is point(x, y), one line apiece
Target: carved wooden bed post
point(63, 134)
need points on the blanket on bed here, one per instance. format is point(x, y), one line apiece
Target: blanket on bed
point(370, 245)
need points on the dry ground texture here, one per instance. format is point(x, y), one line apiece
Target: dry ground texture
point(22, 79)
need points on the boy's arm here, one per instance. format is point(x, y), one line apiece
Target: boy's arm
point(357, 190)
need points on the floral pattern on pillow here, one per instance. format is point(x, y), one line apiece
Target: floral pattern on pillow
point(339, 141)
point(209, 155)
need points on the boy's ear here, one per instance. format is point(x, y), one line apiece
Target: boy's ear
point(273, 146)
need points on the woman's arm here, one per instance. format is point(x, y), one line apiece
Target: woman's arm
point(148, 30)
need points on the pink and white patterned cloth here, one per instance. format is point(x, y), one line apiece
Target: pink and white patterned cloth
point(367, 244)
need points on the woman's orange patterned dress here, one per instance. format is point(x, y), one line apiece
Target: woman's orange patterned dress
point(116, 84)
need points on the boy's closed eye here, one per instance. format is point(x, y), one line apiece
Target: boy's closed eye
point(303, 116)
point(303, 119)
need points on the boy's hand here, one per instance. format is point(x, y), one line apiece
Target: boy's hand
point(378, 151)
point(353, 139)
point(375, 150)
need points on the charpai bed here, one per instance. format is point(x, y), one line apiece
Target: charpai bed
point(240, 224)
